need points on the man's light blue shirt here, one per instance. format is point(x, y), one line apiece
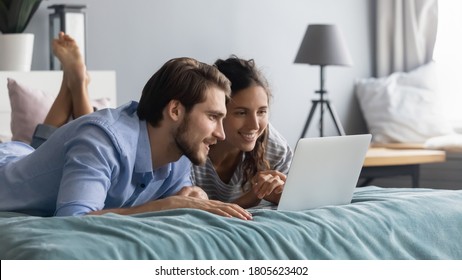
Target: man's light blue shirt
point(98, 161)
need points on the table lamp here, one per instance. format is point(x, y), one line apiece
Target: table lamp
point(323, 45)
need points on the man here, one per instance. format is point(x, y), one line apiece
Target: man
point(126, 160)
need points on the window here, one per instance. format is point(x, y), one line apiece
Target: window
point(448, 57)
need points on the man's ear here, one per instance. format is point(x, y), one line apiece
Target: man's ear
point(175, 110)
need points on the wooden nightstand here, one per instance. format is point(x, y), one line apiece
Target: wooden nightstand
point(386, 162)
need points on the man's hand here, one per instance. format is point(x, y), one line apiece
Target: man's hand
point(212, 206)
point(183, 201)
point(193, 191)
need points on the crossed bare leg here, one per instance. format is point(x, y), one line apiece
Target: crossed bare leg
point(72, 99)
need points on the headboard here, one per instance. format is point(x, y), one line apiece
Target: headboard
point(103, 84)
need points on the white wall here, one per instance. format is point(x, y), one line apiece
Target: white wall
point(136, 37)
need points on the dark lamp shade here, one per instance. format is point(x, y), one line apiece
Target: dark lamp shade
point(323, 44)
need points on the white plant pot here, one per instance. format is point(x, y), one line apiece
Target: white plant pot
point(16, 51)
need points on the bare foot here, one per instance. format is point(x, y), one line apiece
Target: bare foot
point(67, 51)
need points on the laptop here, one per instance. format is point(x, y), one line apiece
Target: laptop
point(324, 171)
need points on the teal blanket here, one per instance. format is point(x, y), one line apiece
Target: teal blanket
point(379, 224)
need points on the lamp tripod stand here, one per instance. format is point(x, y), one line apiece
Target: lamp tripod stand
point(322, 101)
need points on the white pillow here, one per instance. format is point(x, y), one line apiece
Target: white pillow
point(403, 107)
point(449, 143)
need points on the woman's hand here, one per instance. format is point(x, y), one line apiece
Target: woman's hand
point(268, 185)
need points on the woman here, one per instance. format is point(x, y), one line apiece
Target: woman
point(252, 162)
point(72, 100)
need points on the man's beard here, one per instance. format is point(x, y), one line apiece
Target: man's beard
point(185, 146)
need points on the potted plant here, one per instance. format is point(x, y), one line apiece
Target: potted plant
point(16, 46)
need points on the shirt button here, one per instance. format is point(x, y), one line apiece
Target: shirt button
point(143, 186)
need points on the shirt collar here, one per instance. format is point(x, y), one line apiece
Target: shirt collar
point(143, 162)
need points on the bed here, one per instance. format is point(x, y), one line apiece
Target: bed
point(380, 223)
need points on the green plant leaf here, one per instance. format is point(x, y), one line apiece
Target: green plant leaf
point(16, 14)
point(3, 15)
